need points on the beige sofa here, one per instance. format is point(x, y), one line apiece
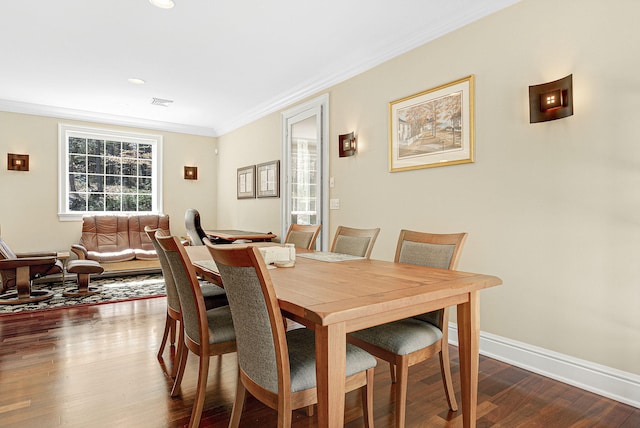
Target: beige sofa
point(119, 241)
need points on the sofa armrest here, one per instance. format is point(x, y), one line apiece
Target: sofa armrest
point(26, 261)
point(80, 251)
point(37, 254)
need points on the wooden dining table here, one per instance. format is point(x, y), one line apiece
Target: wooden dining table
point(336, 298)
point(235, 235)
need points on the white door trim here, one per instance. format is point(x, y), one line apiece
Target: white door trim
point(321, 102)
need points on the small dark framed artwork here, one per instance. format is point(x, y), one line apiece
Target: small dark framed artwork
point(268, 179)
point(246, 182)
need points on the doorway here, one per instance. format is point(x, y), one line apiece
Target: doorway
point(305, 167)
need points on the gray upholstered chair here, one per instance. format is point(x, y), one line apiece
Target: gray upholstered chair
point(410, 341)
point(18, 270)
point(303, 236)
point(277, 368)
point(205, 332)
point(356, 242)
point(213, 295)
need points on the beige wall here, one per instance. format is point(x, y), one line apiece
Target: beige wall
point(551, 208)
point(28, 217)
point(253, 144)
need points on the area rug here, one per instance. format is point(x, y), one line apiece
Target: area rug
point(114, 289)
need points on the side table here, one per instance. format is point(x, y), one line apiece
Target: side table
point(63, 256)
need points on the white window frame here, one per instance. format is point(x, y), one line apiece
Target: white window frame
point(65, 131)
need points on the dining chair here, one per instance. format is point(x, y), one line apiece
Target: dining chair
point(303, 236)
point(410, 341)
point(276, 366)
point(356, 242)
point(213, 295)
point(206, 333)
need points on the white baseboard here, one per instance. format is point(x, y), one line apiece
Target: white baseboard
point(602, 380)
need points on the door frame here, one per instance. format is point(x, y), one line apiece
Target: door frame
point(321, 102)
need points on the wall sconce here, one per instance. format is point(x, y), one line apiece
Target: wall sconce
point(190, 172)
point(551, 101)
point(347, 144)
point(17, 162)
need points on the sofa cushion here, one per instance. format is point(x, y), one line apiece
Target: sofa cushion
point(145, 254)
point(105, 233)
point(138, 239)
point(114, 256)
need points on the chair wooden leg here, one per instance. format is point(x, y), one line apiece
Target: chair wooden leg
point(284, 411)
point(445, 369)
point(238, 404)
point(173, 332)
point(167, 326)
point(181, 348)
point(392, 372)
point(402, 373)
point(198, 402)
point(181, 356)
point(367, 400)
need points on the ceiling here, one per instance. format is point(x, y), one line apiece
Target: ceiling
point(222, 63)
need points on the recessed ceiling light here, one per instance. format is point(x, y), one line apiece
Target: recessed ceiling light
point(163, 4)
point(136, 81)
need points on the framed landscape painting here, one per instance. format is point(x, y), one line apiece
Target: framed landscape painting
point(432, 128)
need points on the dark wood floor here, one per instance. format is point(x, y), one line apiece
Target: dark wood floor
point(96, 367)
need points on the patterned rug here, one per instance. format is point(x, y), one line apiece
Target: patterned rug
point(114, 289)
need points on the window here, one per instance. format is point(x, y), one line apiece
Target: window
point(105, 171)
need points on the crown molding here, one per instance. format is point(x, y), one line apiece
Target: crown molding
point(109, 119)
point(386, 53)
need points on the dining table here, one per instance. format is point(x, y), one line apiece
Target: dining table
point(245, 235)
point(336, 296)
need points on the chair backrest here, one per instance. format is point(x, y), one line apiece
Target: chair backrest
point(260, 335)
point(356, 242)
point(194, 311)
point(431, 250)
point(5, 251)
point(194, 229)
point(303, 236)
point(173, 301)
point(7, 276)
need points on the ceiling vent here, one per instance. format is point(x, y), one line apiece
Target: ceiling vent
point(161, 102)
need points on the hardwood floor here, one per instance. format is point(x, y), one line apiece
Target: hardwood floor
point(96, 367)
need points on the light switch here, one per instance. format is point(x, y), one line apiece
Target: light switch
point(334, 204)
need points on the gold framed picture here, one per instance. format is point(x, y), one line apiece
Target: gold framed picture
point(432, 128)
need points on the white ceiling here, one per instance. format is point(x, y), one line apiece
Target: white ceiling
point(223, 63)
